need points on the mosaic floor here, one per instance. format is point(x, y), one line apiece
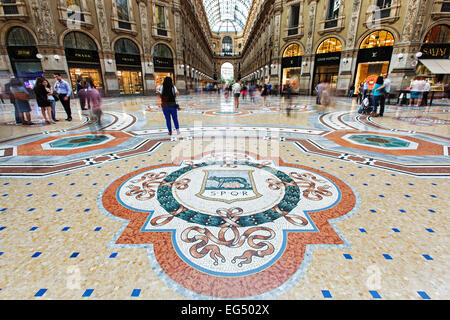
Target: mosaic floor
point(248, 203)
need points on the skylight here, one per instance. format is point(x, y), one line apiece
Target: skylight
point(227, 15)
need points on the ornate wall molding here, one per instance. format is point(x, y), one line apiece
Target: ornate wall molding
point(103, 25)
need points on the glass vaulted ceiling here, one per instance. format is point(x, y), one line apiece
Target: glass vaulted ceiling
point(227, 15)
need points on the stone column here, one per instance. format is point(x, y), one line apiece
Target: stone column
point(107, 58)
point(350, 53)
point(275, 74)
point(147, 63)
point(309, 54)
point(403, 62)
point(178, 59)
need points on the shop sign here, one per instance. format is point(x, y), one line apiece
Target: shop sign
point(291, 62)
point(435, 51)
point(328, 58)
point(79, 55)
point(163, 62)
point(23, 53)
point(128, 59)
point(375, 54)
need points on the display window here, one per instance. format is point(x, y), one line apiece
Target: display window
point(130, 82)
point(84, 74)
point(159, 77)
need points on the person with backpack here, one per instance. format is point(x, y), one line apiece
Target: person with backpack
point(167, 92)
point(22, 100)
point(378, 97)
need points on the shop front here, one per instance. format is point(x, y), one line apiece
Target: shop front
point(83, 60)
point(291, 67)
point(434, 59)
point(129, 67)
point(374, 57)
point(22, 54)
point(326, 63)
point(163, 64)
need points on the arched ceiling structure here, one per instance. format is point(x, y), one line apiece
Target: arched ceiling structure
point(227, 15)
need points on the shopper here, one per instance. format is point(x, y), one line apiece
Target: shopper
point(265, 93)
point(52, 96)
point(40, 89)
point(379, 97)
point(22, 100)
point(168, 93)
point(387, 88)
point(426, 91)
point(236, 89)
point(12, 100)
point(319, 88)
point(417, 87)
point(82, 95)
point(95, 102)
point(360, 93)
point(64, 91)
point(351, 90)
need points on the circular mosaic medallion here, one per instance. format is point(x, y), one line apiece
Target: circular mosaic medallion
point(215, 221)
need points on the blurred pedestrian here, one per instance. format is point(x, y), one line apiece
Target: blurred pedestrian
point(236, 89)
point(12, 100)
point(22, 100)
point(95, 102)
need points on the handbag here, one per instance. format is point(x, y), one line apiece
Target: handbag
point(22, 96)
point(55, 96)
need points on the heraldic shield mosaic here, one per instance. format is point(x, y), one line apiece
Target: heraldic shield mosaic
point(228, 225)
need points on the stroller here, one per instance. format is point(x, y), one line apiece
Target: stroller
point(367, 104)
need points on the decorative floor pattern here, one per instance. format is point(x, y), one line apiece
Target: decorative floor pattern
point(254, 203)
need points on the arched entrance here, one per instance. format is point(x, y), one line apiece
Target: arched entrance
point(82, 58)
point(129, 68)
point(291, 67)
point(326, 66)
point(227, 73)
point(22, 53)
point(374, 57)
point(163, 63)
point(435, 58)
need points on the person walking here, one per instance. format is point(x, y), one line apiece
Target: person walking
point(319, 89)
point(236, 89)
point(426, 91)
point(387, 88)
point(1, 96)
point(12, 100)
point(22, 100)
point(64, 91)
point(265, 93)
point(40, 89)
point(360, 93)
point(52, 97)
point(351, 90)
point(379, 97)
point(168, 93)
point(80, 88)
point(95, 102)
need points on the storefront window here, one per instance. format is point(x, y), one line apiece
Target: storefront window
point(18, 36)
point(126, 46)
point(292, 51)
point(330, 45)
point(22, 54)
point(379, 38)
point(78, 40)
point(438, 34)
point(162, 51)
